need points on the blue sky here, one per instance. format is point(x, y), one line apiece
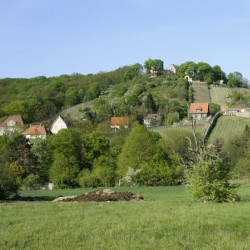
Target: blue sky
point(54, 37)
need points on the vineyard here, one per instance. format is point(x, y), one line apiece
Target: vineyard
point(227, 127)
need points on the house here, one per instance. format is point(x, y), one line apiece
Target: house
point(36, 131)
point(232, 111)
point(117, 122)
point(241, 112)
point(11, 124)
point(198, 110)
point(151, 120)
point(58, 124)
point(172, 68)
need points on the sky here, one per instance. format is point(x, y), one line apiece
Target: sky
point(55, 37)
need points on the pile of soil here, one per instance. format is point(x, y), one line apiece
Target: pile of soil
point(102, 195)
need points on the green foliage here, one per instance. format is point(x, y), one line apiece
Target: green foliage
point(236, 80)
point(208, 179)
point(66, 148)
point(172, 118)
point(213, 108)
point(16, 108)
point(238, 99)
point(64, 170)
point(10, 179)
point(160, 171)
point(32, 182)
point(138, 148)
point(150, 104)
point(104, 171)
point(95, 145)
point(154, 64)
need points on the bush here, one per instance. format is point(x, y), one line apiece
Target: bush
point(88, 179)
point(208, 179)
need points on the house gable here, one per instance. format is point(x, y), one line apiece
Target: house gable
point(58, 124)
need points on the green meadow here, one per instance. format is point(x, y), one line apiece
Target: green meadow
point(166, 219)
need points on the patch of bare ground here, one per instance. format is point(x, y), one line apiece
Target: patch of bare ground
point(101, 195)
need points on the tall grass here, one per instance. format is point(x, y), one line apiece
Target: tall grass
point(166, 219)
point(200, 92)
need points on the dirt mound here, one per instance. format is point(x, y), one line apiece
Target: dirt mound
point(102, 195)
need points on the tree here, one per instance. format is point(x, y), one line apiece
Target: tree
point(150, 104)
point(187, 69)
point(213, 108)
point(204, 71)
point(155, 65)
point(208, 179)
point(133, 71)
point(95, 145)
point(10, 179)
point(66, 148)
point(64, 170)
point(17, 108)
point(236, 80)
point(138, 148)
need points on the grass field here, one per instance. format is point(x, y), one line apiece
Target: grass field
point(200, 92)
point(165, 132)
point(166, 219)
point(219, 94)
point(227, 127)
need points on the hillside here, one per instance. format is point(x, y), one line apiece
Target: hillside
point(200, 92)
point(219, 94)
point(227, 127)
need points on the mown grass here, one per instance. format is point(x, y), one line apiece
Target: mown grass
point(227, 127)
point(166, 219)
point(200, 92)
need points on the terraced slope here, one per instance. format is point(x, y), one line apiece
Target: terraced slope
point(227, 127)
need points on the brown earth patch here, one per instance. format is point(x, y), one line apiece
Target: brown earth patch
point(101, 195)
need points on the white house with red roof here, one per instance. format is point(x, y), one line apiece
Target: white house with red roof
point(36, 131)
point(198, 110)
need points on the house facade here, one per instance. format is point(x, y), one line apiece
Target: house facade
point(198, 110)
point(11, 124)
point(241, 112)
point(117, 122)
point(36, 131)
point(151, 120)
point(58, 124)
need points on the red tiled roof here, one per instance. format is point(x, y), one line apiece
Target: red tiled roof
point(198, 108)
point(36, 130)
point(16, 118)
point(233, 109)
point(116, 121)
point(153, 116)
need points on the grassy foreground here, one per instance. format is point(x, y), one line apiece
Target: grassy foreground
point(166, 219)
